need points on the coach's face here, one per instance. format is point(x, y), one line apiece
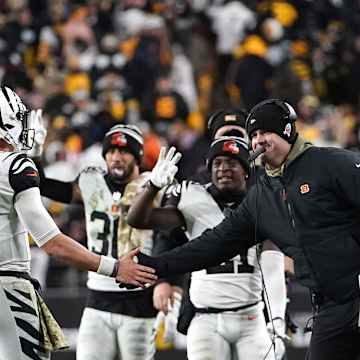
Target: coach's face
point(121, 164)
point(228, 175)
point(276, 148)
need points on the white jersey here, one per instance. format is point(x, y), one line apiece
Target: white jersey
point(232, 284)
point(107, 231)
point(17, 173)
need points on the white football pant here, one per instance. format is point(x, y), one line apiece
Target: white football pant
point(108, 336)
point(240, 335)
point(20, 335)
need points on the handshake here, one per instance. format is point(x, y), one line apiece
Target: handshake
point(138, 270)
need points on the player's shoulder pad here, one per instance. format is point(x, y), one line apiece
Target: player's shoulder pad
point(177, 189)
point(90, 171)
point(23, 173)
point(93, 169)
point(19, 163)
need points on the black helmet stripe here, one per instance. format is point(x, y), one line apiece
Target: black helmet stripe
point(4, 90)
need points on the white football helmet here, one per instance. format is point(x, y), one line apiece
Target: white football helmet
point(15, 127)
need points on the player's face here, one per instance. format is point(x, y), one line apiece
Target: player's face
point(227, 174)
point(275, 146)
point(120, 163)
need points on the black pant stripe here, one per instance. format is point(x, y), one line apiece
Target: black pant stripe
point(28, 348)
point(23, 307)
point(28, 328)
point(23, 293)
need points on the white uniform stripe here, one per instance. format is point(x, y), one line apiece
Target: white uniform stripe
point(22, 164)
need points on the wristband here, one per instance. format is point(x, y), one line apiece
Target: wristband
point(151, 186)
point(108, 266)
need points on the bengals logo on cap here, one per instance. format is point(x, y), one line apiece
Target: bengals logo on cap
point(287, 130)
point(304, 188)
point(231, 146)
point(118, 139)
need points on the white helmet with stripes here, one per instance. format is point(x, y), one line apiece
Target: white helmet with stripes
point(14, 121)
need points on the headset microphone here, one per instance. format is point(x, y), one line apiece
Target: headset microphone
point(256, 153)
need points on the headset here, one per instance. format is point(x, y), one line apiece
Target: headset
point(289, 114)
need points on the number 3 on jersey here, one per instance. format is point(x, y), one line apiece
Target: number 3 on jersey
point(102, 237)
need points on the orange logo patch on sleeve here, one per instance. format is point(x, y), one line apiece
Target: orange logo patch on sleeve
point(304, 188)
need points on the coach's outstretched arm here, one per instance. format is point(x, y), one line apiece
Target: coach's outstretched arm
point(211, 248)
point(47, 235)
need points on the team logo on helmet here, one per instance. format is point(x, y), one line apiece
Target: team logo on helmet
point(118, 139)
point(287, 130)
point(231, 146)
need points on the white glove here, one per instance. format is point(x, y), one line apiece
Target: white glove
point(171, 319)
point(276, 329)
point(165, 169)
point(37, 122)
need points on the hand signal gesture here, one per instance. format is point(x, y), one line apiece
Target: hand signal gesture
point(165, 169)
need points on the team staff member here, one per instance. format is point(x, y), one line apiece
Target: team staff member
point(117, 322)
point(28, 330)
point(308, 203)
point(229, 321)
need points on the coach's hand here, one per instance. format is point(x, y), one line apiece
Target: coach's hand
point(130, 272)
point(165, 169)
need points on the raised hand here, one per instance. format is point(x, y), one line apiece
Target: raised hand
point(37, 122)
point(130, 272)
point(165, 169)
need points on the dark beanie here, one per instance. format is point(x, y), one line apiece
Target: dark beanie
point(124, 136)
point(231, 146)
point(273, 115)
point(223, 117)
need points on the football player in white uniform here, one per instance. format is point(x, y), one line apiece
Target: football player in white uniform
point(229, 321)
point(28, 330)
point(117, 322)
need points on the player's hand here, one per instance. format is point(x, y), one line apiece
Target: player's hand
point(165, 169)
point(130, 272)
point(37, 122)
point(171, 319)
point(163, 294)
point(276, 329)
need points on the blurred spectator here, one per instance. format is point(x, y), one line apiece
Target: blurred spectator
point(167, 106)
point(250, 58)
point(163, 65)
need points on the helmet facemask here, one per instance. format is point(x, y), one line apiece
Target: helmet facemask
point(16, 126)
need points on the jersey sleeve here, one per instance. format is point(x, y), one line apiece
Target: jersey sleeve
point(173, 193)
point(23, 174)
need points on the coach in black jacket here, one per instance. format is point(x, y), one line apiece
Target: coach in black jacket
point(308, 203)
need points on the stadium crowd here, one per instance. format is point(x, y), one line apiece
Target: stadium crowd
point(165, 65)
